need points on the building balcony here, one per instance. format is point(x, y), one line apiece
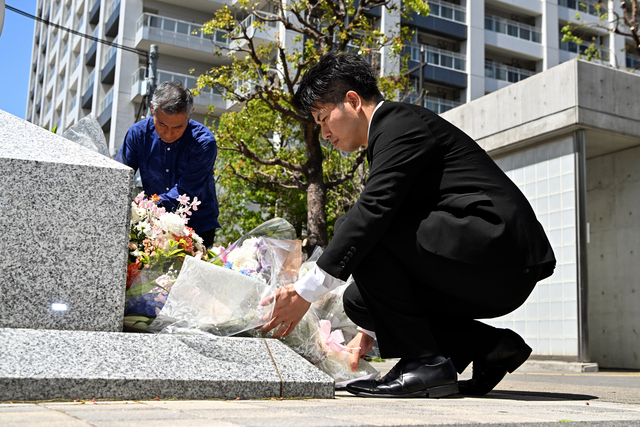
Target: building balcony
point(82, 28)
point(444, 67)
point(201, 102)
point(511, 36)
point(437, 105)
point(90, 60)
point(111, 29)
point(72, 110)
point(87, 97)
point(633, 63)
point(75, 75)
point(94, 12)
point(104, 112)
point(261, 31)
point(570, 50)
point(446, 19)
point(109, 70)
point(502, 75)
point(174, 36)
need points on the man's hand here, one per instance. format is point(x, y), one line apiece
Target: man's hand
point(365, 342)
point(287, 312)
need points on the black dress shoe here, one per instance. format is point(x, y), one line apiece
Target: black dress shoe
point(411, 378)
point(510, 352)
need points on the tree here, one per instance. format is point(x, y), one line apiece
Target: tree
point(270, 154)
point(625, 23)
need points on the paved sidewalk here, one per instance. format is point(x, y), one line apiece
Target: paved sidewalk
point(526, 398)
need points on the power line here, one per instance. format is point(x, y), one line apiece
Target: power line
point(95, 39)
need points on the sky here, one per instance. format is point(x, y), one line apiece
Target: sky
point(16, 44)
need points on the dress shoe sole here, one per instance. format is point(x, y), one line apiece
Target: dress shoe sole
point(468, 388)
point(433, 392)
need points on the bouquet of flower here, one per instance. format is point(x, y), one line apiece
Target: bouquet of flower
point(321, 335)
point(222, 296)
point(158, 243)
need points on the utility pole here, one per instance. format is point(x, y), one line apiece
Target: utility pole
point(153, 76)
point(1, 15)
point(420, 67)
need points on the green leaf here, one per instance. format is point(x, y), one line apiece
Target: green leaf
point(141, 288)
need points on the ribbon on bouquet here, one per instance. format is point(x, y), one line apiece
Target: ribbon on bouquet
point(332, 340)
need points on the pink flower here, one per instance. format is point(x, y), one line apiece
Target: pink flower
point(183, 199)
point(195, 204)
point(139, 197)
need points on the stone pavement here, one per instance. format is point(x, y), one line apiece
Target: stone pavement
point(527, 398)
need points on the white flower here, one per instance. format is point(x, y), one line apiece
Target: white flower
point(172, 224)
point(144, 227)
point(134, 213)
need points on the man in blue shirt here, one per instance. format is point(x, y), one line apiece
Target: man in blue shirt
point(175, 156)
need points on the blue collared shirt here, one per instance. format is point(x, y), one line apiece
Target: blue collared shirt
point(181, 167)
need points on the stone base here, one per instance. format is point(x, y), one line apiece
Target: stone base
point(51, 364)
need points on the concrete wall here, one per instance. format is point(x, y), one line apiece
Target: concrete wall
point(613, 209)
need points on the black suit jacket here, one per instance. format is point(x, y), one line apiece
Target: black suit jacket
point(430, 180)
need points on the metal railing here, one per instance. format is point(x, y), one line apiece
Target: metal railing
point(109, 53)
point(106, 102)
point(249, 20)
point(449, 11)
point(112, 7)
point(89, 81)
point(632, 62)
point(583, 49)
point(505, 73)
point(187, 80)
point(437, 105)
point(72, 104)
point(179, 27)
point(590, 7)
point(512, 28)
point(438, 57)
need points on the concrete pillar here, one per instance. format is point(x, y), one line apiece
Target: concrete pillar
point(617, 53)
point(550, 34)
point(474, 51)
point(389, 24)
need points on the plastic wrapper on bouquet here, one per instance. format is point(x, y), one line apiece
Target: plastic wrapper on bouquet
point(323, 332)
point(222, 296)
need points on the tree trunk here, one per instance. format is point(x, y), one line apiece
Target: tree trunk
point(316, 191)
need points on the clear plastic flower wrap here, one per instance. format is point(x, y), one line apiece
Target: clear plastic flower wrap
point(222, 296)
point(322, 335)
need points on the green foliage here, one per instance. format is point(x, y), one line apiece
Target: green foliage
point(271, 159)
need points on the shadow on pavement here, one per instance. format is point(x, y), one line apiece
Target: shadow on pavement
point(537, 396)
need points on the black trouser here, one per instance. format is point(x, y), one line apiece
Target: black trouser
point(421, 304)
point(208, 237)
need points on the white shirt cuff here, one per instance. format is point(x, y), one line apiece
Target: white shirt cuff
point(315, 284)
point(368, 332)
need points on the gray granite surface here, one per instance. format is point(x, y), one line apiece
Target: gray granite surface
point(55, 364)
point(64, 227)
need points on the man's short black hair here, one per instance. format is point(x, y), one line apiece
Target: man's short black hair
point(332, 77)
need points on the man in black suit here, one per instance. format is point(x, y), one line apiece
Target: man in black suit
point(439, 237)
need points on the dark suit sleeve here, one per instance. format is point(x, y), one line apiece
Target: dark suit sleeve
point(400, 146)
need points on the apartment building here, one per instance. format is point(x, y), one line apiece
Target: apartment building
point(471, 47)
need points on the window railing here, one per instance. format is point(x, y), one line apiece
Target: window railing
point(437, 105)
point(438, 57)
point(109, 53)
point(61, 88)
point(68, 20)
point(52, 73)
point(583, 49)
point(512, 28)
point(632, 61)
point(138, 75)
point(106, 102)
point(89, 81)
point(72, 104)
point(249, 20)
point(187, 80)
point(81, 23)
point(505, 73)
point(179, 27)
point(112, 7)
point(449, 11)
point(592, 8)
